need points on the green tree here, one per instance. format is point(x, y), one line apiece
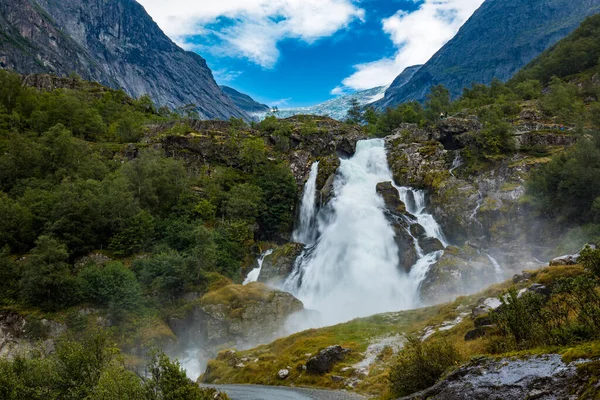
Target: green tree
point(355, 113)
point(113, 286)
point(438, 102)
point(47, 281)
point(244, 201)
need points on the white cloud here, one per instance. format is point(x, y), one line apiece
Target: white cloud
point(253, 28)
point(417, 36)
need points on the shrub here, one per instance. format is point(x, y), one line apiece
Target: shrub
point(47, 281)
point(113, 286)
point(590, 259)
point(421, 364)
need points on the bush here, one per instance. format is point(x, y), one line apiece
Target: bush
point(113, 286)
point(590, 259)
point(566, 188)
point(47, 281)
point(421, 364)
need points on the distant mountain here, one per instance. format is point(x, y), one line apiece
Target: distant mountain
point(112, 42)
point(500, 38)
point(245, 102)
point(338, 108)
point(335, 108)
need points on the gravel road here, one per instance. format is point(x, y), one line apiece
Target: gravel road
point(257, 392)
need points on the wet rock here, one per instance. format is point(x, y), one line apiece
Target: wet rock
point(407, 253)
point(283, 373)
point(391, 198)
point(278, 265)
point(324, 361)
point(541, 377)
point(429, 245)
point(523, 277)
point(539, 289)
point(474, 334)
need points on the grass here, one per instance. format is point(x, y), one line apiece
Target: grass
point(261, 364)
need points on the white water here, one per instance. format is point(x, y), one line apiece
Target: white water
point(305, 232)
point(255, 273)
point(473, 216)
point(417, 208)
point(352, 270)
point(457, 163)
point(497, 267)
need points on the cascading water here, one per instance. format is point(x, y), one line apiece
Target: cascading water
point(255, 273)
point(352, 269)
point(416, 203)
point(305, 232)
point(497, 267)
point(457, 163)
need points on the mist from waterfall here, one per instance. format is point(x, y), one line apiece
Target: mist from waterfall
point(305, 232)
point(352, 268)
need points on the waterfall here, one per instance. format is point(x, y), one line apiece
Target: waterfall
point(473, 216)
point(456, 163)
point(255, 273)
point(352, 269)
point(497, 267)
point(305, 232)
point(416, 204)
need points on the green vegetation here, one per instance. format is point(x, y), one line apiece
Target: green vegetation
point(94, 369)
point(420, 364)
point(68, 187)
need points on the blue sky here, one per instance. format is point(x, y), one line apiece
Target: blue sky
point(301, 52)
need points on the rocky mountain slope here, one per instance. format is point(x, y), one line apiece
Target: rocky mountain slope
point(115, 43)
point(244, 102)
point(499, 39)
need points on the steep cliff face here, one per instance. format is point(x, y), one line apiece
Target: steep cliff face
point(499, 39)
point(245, 102)
point(115, 43)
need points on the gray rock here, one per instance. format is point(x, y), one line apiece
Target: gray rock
point(324, 361)
point(283, 373)
point(429, 245)
point(278, 265)
point(539, 289)
point(544, 377)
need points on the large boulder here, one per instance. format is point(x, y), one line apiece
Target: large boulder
point(278, 265)
point(239, 315)
point(391, 198)
point(538, 377)
point(324, 361)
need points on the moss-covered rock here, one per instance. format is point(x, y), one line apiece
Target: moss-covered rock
point(240, 315)
point(278, 265)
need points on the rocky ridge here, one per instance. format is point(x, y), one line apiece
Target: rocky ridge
point(499, 39)
point(114, 43)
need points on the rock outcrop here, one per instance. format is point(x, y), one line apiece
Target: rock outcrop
point(324, 361)
point(245, 102)
point(19, 334)
point(278, 265)
point(235, 315)
point(544, 377)
point(115, 43)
